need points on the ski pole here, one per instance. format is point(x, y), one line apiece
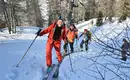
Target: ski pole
point(77, 45)
point(29, 47)
point(26, 51)
point(70, 59)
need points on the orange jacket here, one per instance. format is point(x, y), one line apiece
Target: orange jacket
point(71, 35)
point(51, 30)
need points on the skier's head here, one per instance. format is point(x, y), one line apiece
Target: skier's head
point(59, 23)
point(85, 30)
point(124, 40)
point(72, 26)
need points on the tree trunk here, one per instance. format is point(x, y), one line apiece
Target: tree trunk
point(6, 16)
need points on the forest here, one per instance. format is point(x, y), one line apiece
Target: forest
point(41, 13)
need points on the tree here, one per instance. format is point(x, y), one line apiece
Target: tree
point(125, 10)
point(99, 19)
point(10, 12)
point(87, 16)
point(111, 10)
point(34, 13)
point(6, 15)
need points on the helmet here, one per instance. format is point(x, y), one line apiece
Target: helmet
point(60, 18)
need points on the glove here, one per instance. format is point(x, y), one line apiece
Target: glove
point(38, 33)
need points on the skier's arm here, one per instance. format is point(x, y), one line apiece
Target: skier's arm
point(47, 30)
point(67, 30)
point(76, 33)
point(81, 35)
point(122, 46)
point(76, 36)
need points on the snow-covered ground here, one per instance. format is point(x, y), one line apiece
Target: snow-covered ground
point(85, 65)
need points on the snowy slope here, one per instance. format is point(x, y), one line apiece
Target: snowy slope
point(86, 65)
point(13, 46)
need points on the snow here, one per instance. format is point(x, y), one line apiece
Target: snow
point(26, 33)
point(44, 8)
point(112, 30)
point(86, 25)
point(33, 66)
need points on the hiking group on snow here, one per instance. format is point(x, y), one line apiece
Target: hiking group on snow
point(58, 31)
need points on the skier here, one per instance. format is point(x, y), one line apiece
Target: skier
point(72, 33)
point(125, 46)
point(57, 32)
point(86, 38)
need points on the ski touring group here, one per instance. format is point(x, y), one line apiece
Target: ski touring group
point(57, 32)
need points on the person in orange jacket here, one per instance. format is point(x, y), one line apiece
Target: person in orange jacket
point(72, 33)
point(57, 32)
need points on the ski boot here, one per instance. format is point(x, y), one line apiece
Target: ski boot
point(71, 51)
point(81, 49)
point(86, 49)
point(124, 59)
point(49, 68)
point(57, 71)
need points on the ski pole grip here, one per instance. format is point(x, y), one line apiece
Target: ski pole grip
point(38, 33)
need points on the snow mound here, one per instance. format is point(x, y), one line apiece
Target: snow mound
point(30, 69)
point(22, 33)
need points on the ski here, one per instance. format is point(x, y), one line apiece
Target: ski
point(53, 73)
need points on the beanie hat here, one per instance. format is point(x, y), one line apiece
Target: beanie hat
point(85, 30)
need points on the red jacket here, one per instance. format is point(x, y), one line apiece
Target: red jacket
point(51, 30)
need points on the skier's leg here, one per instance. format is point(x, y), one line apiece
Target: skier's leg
point(86, 45)
point(123, 54)
point(81, 44)
point(57, 47)
point(65, 48)
point(71, 46)
point(49, 54)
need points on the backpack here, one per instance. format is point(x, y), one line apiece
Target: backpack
point(86, 36)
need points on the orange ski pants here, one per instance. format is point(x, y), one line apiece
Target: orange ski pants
point(49, 46)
